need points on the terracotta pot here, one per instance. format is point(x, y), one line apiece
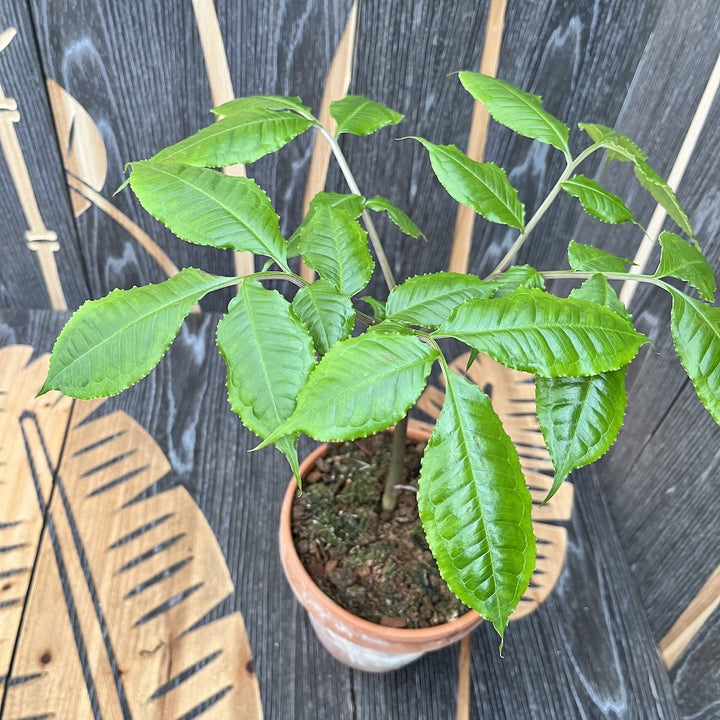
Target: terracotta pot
point(356, 642)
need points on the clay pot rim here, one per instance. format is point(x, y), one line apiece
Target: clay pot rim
point(381, 632)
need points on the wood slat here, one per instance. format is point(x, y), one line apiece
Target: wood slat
point(33, 199)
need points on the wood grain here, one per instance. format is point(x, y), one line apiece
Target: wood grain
point(120, 582)
point(587, 649)
point(39, 204)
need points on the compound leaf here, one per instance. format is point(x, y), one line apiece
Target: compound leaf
point(363, 385)
point(696, 336)
point(549, 336)
point(686, 262)
point(521, 111)
point(597, 201)
point(587, 258)
point(240, 137)
point(334, 244)
point(360, 116)
point(205, 207)
point(269, 356)
point(327, 314)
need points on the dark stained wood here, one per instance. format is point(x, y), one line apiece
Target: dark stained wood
point(587, 652)
point(661, 477)
point(139, 72)
point(21, 78)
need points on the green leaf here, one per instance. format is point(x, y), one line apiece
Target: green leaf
point(359, 116)
point(515, 277)
point(427, 300)
point(517, 109)
point(696, 336)
point(269, 356)
point(334, 244)
point(238, 138)
point(482, 186)
point(685, 262)
point(363, 385)
point(262, 102)
point(597, 289)
point(205, 207)
point(111, 343)
point(353, 205)
point(618, 146)
point(549, 336)
point(378, 307)
point(597, 201)
point(580, 418)
point(327, 314)
point(396, 215)
point(664, 195)
point(586, 258)
point(475, 506)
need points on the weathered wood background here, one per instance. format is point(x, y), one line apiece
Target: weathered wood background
point(139, 71)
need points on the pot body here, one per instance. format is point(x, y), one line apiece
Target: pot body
point(356, 642)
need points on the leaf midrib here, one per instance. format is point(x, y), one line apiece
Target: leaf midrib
point(220, 131)
point(243, 223)
point(137, 320)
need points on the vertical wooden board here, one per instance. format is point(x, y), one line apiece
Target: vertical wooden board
point(140, 74)
point(575, 56)
point(22, 81)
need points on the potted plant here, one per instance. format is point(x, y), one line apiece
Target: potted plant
point(298, 365)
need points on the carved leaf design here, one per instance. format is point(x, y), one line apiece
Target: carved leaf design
point(81, 144)
point(513, 399)
point(119, 582)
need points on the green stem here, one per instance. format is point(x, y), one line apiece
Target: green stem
point(397, 458)
point(575, 275)
point(372, 232)
point(535, 219)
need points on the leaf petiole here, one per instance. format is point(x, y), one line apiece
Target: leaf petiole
point(535, 219)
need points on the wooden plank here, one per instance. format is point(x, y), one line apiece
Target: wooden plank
point(659, 477)
point(121, 581)
point(39, 239)
point(161, 95)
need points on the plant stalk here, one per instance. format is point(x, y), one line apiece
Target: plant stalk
point(372, 232)
point(535, 219)
point(397, 458)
